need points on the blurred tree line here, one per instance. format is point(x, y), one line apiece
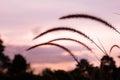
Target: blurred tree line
point(19, 69)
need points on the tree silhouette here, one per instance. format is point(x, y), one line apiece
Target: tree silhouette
point(62, 75)
point(4, 60)
point(48, 74)
point(85, 68)
point(19, 65)
point(108, 68)
point(20, 69)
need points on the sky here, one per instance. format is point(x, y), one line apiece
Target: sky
point(22, 20)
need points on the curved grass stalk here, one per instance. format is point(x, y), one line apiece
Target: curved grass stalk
point(81, 43)
point(54, 44)
point(62, 28)
point(113, 47)
point(68, 29)
point(86, 16)
point(102, 46)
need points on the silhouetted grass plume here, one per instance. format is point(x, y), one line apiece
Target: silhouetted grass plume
point(54, 44)
point(113, 47)
point(68, 29)
point(103, 47)
point(86, 16)
point(81, 43)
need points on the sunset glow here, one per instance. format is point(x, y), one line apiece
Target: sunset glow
point(22, 20)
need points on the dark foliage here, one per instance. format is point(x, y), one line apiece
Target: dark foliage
point(18, 70)
point(4, 61)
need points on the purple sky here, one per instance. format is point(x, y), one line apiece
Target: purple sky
point(21, 20)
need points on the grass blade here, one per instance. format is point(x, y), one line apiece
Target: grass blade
point(54, 44)
point(67, 29)
point(113, 47)
point(81, 43)
point(103, 47)
point(86, 16)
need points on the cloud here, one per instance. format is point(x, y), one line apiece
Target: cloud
point(47, 54)
point(50, 57)
point(37, 67)
point(36, 30)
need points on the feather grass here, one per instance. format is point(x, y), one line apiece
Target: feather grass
point(67, 29)
point(79, 42)
point(86, 16)
point(102, 46)
point(113, 47)
point(54, 44)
